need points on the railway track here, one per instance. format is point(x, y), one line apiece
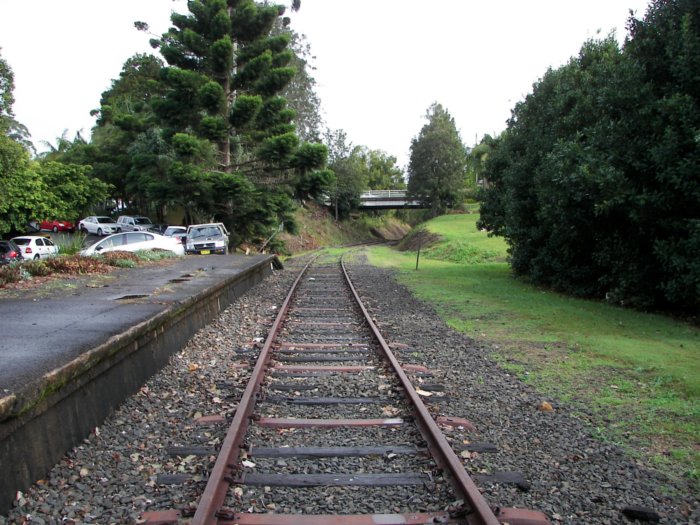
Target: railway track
point(330, 429)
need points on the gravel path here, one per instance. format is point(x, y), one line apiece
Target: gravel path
point(119, 471)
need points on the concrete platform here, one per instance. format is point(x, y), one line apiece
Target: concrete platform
point(73, 350)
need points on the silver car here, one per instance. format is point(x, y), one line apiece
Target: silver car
point(99, 225)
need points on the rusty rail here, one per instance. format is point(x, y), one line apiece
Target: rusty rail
point(438, 445)
point(222, 475)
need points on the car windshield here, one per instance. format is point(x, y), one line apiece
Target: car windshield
point(22, 241)
point(103, 220)
point(142, 220)
point(205, 232)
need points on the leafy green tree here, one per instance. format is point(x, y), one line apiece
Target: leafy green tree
point(39, 190)
point(31, 190)
point(24, 193)
point(72, 190)
point(300, 93)
point(383, 173)
point(666, 45)
point(593, 183)
point(438, 162)
point(125, 115)
point(476, 161)
point(349, 173)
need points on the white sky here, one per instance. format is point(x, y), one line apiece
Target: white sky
point(379, 63)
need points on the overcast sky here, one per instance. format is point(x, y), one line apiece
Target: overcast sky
point(379, 63)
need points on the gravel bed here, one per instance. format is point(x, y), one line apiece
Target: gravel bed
point(339, 437)
point(116, 473)
point(344, 500)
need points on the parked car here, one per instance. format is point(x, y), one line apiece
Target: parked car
point(135, 223)
point(177, 232)
point(57, 226)
point(207, 238)
point(35, 247)
point(9, 252)
point(133, 242)
point(172, 230)
point(99, 225)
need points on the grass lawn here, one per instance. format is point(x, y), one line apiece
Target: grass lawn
point(634, 376)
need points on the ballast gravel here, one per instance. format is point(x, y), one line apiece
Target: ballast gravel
point(131, 463)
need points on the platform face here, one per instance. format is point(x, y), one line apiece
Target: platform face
point(47, 327)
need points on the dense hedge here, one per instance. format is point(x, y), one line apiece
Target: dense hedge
point(596, 181)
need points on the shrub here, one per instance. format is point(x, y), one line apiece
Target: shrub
point(71, 245)
point(120, 259)
point(11, 273)
point(77, 265)
point(155, 254)
point(36, 268)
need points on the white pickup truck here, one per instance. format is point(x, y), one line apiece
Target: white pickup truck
point(209, 238)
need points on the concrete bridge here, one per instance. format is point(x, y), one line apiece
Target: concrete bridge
point(387, 199)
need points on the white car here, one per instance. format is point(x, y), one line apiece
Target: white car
point(99, 225)
point(35, 247)
point(133, 242)
point(173, 230)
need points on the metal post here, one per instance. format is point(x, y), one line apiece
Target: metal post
point(420, 243)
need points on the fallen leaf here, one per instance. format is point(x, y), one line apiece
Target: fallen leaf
point(545, 407)
point(423, 393)
point(389, 411)
point(248, 464)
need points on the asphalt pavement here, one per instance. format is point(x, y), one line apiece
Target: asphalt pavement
point(47, 327)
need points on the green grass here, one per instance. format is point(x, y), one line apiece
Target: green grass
point(639, 374)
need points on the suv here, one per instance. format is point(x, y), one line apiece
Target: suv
point(135, 223)
point(207, 238)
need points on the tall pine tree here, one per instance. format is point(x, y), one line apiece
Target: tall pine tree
point(232, 134)
point(438, 162)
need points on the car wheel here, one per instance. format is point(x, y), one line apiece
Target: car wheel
point(119, 230)
point(82, 228)
point(55, 229)
point(99, 232)
point(37, 257)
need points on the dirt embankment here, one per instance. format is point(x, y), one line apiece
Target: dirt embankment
point(317, 228)
point(418, 239)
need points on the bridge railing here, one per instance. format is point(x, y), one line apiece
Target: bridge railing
point(383, 194)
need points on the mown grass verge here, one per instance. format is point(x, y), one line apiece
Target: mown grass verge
point(635, 377)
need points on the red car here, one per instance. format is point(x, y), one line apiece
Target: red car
point(57, 226)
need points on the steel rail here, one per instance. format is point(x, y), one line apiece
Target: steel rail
point(221, 476)
point(481, 513)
